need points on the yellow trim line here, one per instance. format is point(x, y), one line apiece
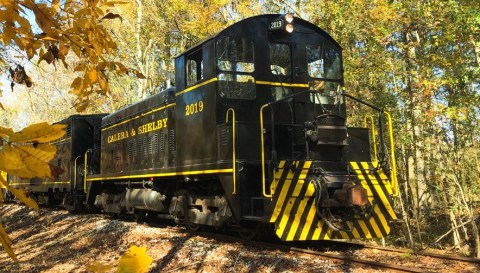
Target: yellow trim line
point(234, 149)
point(191, 88)
point(58, 141)
point(305, 85)
point(139, 116)
point(262, 153)
point(38, 183)
point(148, 175)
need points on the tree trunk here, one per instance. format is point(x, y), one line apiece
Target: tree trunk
point(139, 53)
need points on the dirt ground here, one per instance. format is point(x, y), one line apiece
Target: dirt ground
point(56, 241)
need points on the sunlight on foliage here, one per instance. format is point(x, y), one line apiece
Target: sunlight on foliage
point(20, 194)
point(57, 28)
point(25, 154)
point(7, 243)
point(135, 260)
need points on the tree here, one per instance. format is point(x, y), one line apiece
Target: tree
point(58, 29)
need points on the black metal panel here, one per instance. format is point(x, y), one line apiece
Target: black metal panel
point(139, 137)
point(85, 136)
point(196, 107)
point(358, 148)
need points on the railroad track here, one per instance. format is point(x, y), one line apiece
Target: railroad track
point(343, 253)
point(409, 251)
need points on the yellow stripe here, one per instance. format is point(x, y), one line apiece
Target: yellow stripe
point(17, 184)
point(373, 223)
point(161, 174)
point(288, 209)
point(60, 141)
point(296, 220)
point(282, 197)
point(343, 235)
point(383, 220)
point(365, 229)
point(318, 230)
point(283, 84)
point(191, 88)
point(308, 223)
point(380, 191)
point(139, 116)
point(355, 232)
point(39, 183)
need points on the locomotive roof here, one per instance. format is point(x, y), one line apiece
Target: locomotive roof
point(260, 18)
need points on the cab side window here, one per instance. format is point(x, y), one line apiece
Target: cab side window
point(194, 67)
point(235, 60)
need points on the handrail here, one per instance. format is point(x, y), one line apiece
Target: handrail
point(75, 172)
point(262, 151)
point(234, 148)
point(373, 135)
point(393, 175)
point(85, 171)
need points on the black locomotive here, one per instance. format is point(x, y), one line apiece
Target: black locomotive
point(252, 137)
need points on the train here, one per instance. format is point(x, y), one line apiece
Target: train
point(252, 137)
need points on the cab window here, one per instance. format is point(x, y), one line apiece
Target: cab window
point(280, 59)
point(194, 67)
point(235, 60)
point(324, 62)
point(235, 54)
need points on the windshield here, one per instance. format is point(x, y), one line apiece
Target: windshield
point(324, 62)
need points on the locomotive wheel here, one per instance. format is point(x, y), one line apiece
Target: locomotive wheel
point(72, 203)
point(248, 235)
point(141, 216)
point(193, 227)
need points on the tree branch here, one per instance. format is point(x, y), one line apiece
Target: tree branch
point(451, 230)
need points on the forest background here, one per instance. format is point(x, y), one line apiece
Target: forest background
point(420, 60)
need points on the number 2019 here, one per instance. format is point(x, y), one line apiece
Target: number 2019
point(193, 108)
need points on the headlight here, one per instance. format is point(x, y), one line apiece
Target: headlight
point(289, 28)
point(289, 18)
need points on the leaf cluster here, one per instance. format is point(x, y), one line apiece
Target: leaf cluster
point(58, 29)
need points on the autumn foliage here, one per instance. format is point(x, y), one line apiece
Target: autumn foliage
point(27, 154)
point(61, 28)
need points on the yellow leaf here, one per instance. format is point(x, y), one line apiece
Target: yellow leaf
point(46, 38)
point(6, 132)
point(92, 75)
point(56, 5)
point(7, 243)
point(103, 85)
point(28, 161)
point(40, 132)
point(10, 160)
point(79, 67)
point(8, 33)
point(98, 267)
point(37, 161)
point(77, 86)
point(63, 50)
point(81, 105)
point(44, 152)
point(135, 260)
point(20, 194)
point(121, 67)
point(139, 75)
